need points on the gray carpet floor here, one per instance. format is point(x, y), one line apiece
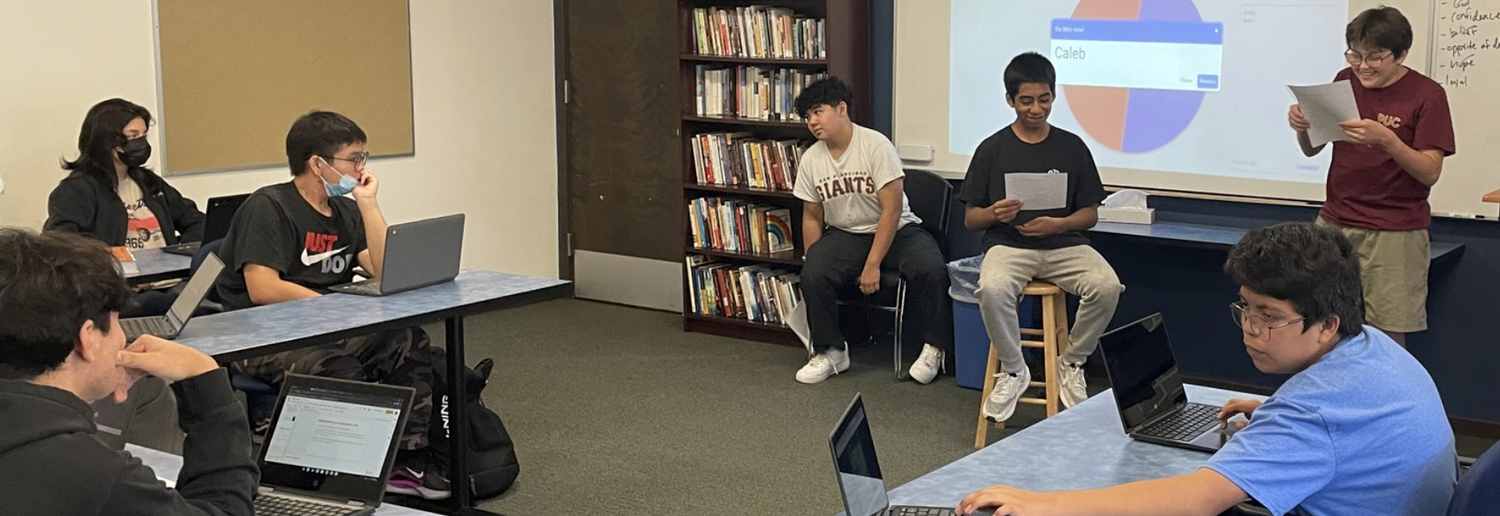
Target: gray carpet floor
point(616, 410)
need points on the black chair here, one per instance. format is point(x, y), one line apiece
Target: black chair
point(931, 199)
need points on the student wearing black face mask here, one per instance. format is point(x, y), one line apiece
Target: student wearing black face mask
point(109, 196)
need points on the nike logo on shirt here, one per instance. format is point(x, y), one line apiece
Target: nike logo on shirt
point(308, 260)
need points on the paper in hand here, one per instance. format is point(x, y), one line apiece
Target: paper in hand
point(1325, 106)
point(1047, 191)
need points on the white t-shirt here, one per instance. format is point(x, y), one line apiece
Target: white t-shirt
point(847, 186)
point(142, 230)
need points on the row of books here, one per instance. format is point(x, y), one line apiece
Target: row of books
point(757, 32)
point(739, 226)
point(751, 92)
point(760, 293)
point(738, 159)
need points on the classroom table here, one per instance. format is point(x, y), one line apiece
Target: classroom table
point(1222, 237)
point(1080, 448)
point(264, 330)
point(154, 265)
point(167, 466)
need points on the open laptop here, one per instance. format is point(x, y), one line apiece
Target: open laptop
point(330, 447)
point(859, 471)
point(170, 325)
point(1148, 390)
point(417, 254)
point(216, 223)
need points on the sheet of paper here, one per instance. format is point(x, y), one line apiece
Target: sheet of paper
point(1044, 191)
point(1324, 106)
point(797, 320)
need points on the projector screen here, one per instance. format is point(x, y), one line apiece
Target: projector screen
point(1177, 95)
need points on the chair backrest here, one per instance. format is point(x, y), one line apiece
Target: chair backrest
point(931, 199)
point(1478, 491)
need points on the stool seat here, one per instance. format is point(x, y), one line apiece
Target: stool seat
point(1054, 339)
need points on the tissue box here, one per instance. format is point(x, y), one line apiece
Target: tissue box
point(1127, 215)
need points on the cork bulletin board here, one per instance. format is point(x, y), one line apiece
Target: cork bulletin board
point(234, 74)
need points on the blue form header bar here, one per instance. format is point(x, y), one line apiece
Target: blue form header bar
point(1204, 33)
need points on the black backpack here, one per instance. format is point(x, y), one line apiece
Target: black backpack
point(492, 455)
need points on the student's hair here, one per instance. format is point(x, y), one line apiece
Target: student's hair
point(319, 133)
point(828, 91)
point(1029, 67)
point(1381, 27)
point(103, 131)
point(1313, 268)
point(51, 283)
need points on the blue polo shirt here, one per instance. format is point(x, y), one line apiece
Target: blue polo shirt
point(1360, 432)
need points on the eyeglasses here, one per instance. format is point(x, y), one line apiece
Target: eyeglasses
point(1257, 325)
point(1355, 58)
point(357, 160)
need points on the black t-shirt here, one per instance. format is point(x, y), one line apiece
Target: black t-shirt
point(277, 228)
point(1003, 153)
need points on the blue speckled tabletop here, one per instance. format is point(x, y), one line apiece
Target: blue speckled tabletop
point(1220, 237)
point(1079, 448)
point(240, 333)
point(167, 466)
point(155, 265)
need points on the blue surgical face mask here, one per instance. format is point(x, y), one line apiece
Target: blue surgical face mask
point(346, 183)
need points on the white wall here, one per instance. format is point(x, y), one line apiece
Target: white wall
point(483, 98)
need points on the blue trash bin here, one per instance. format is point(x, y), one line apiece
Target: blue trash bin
point(971, 343)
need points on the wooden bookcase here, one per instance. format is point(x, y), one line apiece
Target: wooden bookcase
point(847, 47)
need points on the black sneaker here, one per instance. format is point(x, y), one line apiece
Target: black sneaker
point(416, 473)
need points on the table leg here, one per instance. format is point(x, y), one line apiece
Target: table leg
point(463, 497)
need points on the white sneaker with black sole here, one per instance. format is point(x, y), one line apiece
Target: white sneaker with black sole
point(1001, 402)
point(825, 364)
point(928, 364)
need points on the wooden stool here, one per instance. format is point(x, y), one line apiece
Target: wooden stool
point(1054, 334)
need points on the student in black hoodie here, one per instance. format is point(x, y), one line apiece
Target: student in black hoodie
point(110, 196)
point(61, 348)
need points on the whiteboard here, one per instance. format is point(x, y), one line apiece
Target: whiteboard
point(921, 93)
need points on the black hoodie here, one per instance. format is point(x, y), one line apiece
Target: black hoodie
point(50, 463)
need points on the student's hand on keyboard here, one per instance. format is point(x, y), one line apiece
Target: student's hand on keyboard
point(1234, 407)
point(1009, 500)
point(170, 361)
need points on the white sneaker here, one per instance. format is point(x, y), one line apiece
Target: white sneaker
point(927, 365)
point(1073, 388)
point(823, 365)
point(1008, 388)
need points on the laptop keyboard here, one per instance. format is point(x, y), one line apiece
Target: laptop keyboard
point(1185, 424)
point(918, 511)
point(148, 326)
point(270, 505)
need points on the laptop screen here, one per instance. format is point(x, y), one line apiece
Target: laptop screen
point(220, 216)
point(1142, 370)
point(333, 438)
point(197, 287)
point(858, 469)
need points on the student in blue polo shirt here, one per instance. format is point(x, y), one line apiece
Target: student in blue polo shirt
point(1358, 429)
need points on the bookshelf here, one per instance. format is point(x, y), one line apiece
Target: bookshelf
point(844, 53)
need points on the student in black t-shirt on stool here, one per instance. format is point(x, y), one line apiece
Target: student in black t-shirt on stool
point(1037, 244)
point(290, 241)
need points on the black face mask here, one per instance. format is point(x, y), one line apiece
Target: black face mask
point(135, 152)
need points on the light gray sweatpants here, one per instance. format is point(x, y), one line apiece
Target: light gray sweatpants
point(1078, 270)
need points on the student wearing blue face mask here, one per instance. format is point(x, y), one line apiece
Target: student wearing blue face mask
point(293, 240)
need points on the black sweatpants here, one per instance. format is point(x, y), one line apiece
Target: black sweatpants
point(835, 262)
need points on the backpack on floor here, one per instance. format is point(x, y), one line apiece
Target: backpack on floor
point(492, 454)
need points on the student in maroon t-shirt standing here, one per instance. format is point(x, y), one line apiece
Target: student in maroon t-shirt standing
point(1379, 180)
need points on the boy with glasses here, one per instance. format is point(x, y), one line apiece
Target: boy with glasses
point(1357, 429)
point(1379, 180)
point(292, 240)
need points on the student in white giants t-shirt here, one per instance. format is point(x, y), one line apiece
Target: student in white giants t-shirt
point(855, 224)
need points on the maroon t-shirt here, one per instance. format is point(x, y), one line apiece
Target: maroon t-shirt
point(1366, 187)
